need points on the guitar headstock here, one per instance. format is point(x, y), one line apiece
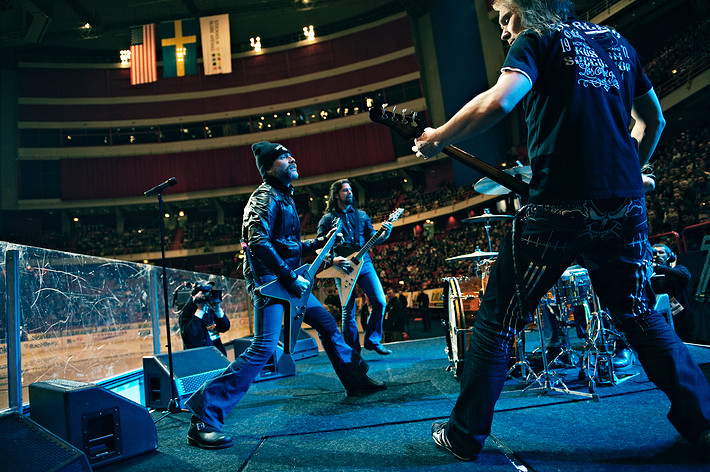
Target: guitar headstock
point(404, 124)
point(394, 216)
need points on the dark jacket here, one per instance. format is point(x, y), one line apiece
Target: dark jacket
point(194, 331)
point(357, 229)
point(272, 230)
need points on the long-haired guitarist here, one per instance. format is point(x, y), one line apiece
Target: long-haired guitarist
point(580, 83)
point(272, 232)
point(357, 230)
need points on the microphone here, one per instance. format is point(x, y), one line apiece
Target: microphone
point(159, 188)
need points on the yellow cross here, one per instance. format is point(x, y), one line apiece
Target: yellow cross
point(179, 41)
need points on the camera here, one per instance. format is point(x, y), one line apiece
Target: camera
point(215, 296)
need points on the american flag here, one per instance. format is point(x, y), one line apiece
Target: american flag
point(143, 66)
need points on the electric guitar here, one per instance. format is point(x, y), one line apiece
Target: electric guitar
point(348, 277)
point(408, 127)
point(297, 304)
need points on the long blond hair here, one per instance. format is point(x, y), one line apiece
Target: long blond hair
point(538, 15)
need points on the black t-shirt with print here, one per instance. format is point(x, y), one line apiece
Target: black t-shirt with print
point(578, 138)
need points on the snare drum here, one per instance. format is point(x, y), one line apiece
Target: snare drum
point(574, 286)
point(462, 296)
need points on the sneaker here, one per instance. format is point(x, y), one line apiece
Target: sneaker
point(438, 433)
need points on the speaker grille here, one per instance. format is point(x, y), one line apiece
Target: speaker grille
point(26, 446)
point(192, 383)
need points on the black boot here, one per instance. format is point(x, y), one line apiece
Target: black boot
point(366, 386)
point(207, 437)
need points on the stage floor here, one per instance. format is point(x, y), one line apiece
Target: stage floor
point(307, 423)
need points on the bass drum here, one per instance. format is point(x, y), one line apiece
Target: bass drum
point(462, 296)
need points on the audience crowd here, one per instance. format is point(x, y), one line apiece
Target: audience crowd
point(680, 56)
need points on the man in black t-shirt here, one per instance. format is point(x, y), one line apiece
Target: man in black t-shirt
point(580, 83)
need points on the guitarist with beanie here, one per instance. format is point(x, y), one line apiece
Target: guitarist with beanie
point(271, 232)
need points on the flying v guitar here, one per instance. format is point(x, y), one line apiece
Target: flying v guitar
point(349, 277)
point(297, 304)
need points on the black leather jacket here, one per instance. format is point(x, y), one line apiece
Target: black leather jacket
point(272, 230)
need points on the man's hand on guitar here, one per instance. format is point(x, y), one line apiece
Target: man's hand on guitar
point(343, 263)
point(387, 225)
point(339, 236)
point(426, 146)
point(299, 286)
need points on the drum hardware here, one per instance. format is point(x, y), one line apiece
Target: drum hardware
point(487, 186)
point(486, 218)
point(457, 291)
point(549, 381)
point(597, 363)
point(566, 357)
point(474, 255)
point(521, 360)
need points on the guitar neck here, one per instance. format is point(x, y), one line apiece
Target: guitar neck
point(369, 244)
point(506, 180)
point(315, 265)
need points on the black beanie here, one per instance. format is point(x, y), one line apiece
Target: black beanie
point(266, 153)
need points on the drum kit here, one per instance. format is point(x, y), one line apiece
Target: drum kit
point(570, 303)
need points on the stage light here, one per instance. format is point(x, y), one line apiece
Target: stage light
point(125, 56)
point(255, 43)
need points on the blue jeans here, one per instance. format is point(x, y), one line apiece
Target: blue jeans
point(218, 396)
point(610, 239)
point(370, 284)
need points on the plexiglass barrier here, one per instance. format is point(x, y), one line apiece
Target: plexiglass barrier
point(89, 319)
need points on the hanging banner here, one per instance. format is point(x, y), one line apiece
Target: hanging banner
point(179, 41)
point(216, 44)
point(143, 65)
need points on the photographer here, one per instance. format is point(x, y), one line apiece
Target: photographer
point(202, 318)
point(675, 281)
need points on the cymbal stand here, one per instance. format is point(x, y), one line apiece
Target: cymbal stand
point(549, 381)
point(597, 363)
point(526, 370)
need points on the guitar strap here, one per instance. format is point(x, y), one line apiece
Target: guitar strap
point(604, 56)
point(247, 254)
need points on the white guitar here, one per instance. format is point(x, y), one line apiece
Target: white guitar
point(348, 276)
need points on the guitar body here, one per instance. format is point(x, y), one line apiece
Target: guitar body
point(294, 307)
point(347, 279)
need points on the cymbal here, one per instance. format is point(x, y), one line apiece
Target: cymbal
point(485, 218)
point(487, 186)
point(473, 255)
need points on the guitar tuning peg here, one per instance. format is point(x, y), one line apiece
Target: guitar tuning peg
point(414, 118)
point(394, 113)
point(384, 111)
point(404, 116)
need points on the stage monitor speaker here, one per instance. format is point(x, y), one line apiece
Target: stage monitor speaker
point(305, 346)
point(104, 425)
point(191, 369)
point(279, 365)
point(26, 446)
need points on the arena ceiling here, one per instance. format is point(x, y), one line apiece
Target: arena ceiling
point(59, 23)
point(28, 24)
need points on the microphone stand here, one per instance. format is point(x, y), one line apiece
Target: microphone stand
point(173, 404)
